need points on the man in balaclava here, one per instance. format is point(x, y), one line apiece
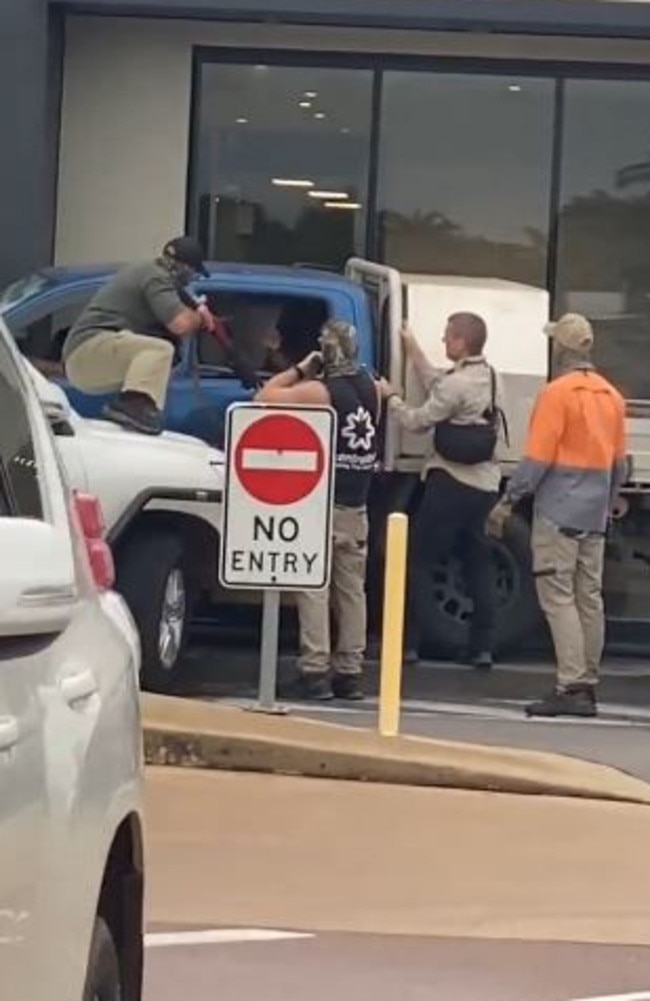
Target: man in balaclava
point(121, 342)
point(333, 377)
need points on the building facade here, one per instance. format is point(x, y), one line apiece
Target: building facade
point(507, 138)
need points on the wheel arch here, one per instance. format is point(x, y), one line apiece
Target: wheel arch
point(200, 540)
point(121, 902)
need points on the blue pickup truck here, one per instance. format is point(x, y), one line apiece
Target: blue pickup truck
point(274, 316)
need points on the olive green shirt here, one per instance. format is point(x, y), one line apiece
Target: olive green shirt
point(141, 298)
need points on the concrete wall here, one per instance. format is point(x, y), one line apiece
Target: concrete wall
point(30, 62)
point(126, 113)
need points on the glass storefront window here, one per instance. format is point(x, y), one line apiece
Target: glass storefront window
point(281, 163)
point(464, 174)
point(604, 232)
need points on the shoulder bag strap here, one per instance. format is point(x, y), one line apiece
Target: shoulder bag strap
point(498, 410)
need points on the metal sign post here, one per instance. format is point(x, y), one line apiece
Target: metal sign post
point(269, 652)
point(278, 502)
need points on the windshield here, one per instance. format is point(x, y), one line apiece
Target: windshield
point(21, 290)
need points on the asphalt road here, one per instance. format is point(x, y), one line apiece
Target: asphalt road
point(390, 893)
point(451, 702)
point(393, 968)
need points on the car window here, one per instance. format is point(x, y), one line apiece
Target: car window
point(269, 332)
point(41, 337)
point(20, 491)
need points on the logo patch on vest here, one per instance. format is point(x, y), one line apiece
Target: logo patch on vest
point(359, 430)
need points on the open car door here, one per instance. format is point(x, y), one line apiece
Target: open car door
point(383, 286)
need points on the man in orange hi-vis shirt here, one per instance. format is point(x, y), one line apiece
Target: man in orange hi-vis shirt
point(574, 464)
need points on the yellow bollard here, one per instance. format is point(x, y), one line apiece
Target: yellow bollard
point(390, 691)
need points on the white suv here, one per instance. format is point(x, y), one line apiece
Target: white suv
point(71, 867)
point(162, 499)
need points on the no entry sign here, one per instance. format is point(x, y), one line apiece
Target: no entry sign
point(280, 459)
point(278, 497)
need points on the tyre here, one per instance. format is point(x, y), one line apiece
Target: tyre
point(152, 578)
point(518, 614)
point(103, 975)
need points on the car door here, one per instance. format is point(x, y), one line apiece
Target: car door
point(23, 796)
point(383, 287)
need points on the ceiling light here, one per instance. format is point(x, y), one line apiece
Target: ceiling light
point(345, 131)
point(328, 195)
point(320, 115)
point(350, 206)
point(242, 121)
point(291, 182)
point(514, 88)
point(304, 104)
point(311, 94)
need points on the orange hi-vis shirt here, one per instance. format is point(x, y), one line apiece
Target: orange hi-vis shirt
point(575, 458)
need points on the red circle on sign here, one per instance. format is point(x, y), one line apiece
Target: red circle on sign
point(279, 459)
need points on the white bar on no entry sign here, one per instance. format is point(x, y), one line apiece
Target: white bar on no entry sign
point(282, 461)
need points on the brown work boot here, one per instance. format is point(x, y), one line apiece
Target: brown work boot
point(136, 412)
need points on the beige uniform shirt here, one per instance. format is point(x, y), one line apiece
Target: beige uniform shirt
point(461, 394)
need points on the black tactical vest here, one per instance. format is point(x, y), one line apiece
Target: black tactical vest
point(354, 397)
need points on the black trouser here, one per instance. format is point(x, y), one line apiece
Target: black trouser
point(451, 518)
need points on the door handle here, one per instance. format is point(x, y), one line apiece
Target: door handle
point(79, 687)
point(9, 733)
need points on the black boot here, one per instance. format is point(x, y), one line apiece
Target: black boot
point(577, 700)
point(348, 687)
point(309, 688)
point(135, 411)
point(480, 660)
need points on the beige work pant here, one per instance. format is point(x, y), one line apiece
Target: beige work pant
point(122, 360)
point(569, 579)
point(345, 598)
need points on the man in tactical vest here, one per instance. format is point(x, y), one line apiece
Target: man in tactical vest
point(333, 377)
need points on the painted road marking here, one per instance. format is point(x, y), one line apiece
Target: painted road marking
point(219, 936)
point(279, 460)
point(639, 996)
point(610, 716)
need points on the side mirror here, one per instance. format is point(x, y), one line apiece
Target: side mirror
point(38, 589)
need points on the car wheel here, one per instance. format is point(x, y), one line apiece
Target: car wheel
point(152, 577)
point(445, 632)
point(103, 974)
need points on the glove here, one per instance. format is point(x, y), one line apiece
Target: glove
point(497, 518)
point(311, 366)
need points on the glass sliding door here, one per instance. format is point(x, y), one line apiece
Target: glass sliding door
point(603, 261)
point(281, 163)
point(465, 174)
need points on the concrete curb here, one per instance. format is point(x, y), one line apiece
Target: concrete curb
point(190, 734)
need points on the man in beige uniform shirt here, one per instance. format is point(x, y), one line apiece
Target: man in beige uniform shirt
point(458, 496)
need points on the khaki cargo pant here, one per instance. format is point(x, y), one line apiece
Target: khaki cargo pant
point(345, 598)
point(121, 360)
point(569, 578)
